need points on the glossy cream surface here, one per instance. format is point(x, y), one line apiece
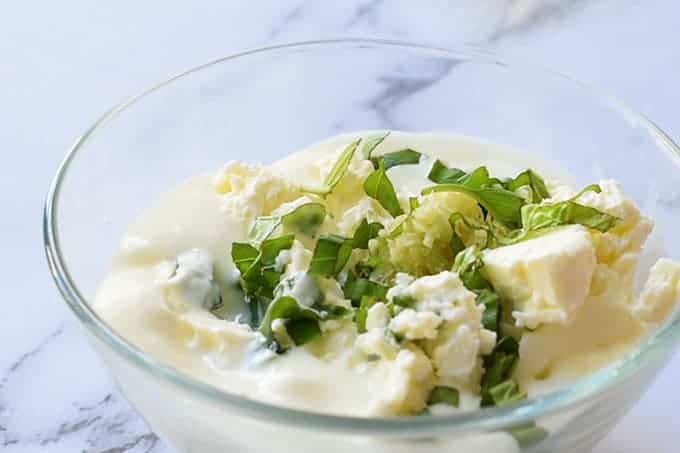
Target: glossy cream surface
point(572, 290)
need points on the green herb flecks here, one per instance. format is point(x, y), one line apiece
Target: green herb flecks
point(538, 217)
point(337, 171)
point(528, 434)
point(378, 186)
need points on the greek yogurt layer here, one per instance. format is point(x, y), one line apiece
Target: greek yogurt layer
point(384, 274)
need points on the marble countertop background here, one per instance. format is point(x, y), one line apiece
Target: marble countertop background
point(64, 63)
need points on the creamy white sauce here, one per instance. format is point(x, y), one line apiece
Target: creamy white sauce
point(208, 213)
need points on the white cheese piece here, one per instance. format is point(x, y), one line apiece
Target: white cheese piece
point(456, 349)
point(377, 342)
point(407, 383)
point(414, 325)
point(378, 317)
point(546, 278)
point(252, 190)
point(300, 286)
point(191, 283)
point(660, 293)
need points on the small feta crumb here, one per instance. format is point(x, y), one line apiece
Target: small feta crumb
point(414, 325)
point(378, 316)
point(284, 258)
point(377, 342)
point(487, 341)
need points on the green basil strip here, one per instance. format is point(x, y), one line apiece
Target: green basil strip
point(406, 156)
point(355, 288)
point(305, 219)
point(299, 320)
point(528, 434)
point(536, 217)
point(498, 367)
point(530, 178)
point(336, 173)
point(371, 142)
point(413, 204)
point(503, 205)
point(441, 174)
point(378, 186)
point(506, 392)
point(444, 395)
point(491, 302)
point(330, 255)
point(362, 313)
point(467, 264)
point(364, 233)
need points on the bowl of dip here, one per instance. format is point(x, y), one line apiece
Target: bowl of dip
point(474, 261)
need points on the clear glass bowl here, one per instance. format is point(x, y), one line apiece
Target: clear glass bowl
point(264, 104)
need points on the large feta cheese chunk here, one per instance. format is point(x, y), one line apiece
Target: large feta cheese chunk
point(547, 279)
point(192, 283)
point(378, 317)
point(660, 293)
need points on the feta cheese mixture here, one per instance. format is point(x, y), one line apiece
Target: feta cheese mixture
point(384, 274)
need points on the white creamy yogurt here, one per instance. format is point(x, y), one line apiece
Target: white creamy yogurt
point(564, 286)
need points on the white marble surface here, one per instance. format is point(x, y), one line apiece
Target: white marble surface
point(64, 63)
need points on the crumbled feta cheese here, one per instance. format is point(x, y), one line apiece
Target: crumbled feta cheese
point(414, 325)
point(297, 258)
point(302, 287)
point(378, 317)
point(377, 342)
point(192, 281)
point(367, 208)
point(332, 293)
point(546, 278)
point(408, 381)
point(660, 293)
point(252, 190)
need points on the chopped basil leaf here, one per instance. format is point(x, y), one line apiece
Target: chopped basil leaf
point(530, 178)
point(355, 288)
point(441, 174)
point(330, 255)
point(298, 320)
point(476, 179)
point(362, 313)
point(506, 392)
point(371, 142)
point(498, 367)
point(305, 219)
point(302, 331)
point(467, 265)
point(364, 233)
point(528, 434)
point(378, 186)
point(413, 204)
point(535, 217)
point(445, 395)
point(406, 156)
point(403, 300)
point(243, 255)
point(503, 205)
point(258, 274)
point(337, 171)
point(491, 302)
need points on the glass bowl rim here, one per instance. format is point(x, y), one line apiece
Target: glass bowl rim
point(479, 420)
